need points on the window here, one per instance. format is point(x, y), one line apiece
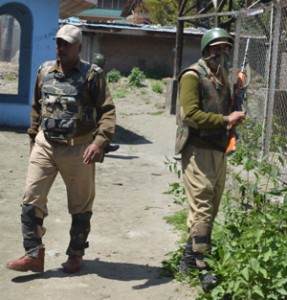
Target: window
point(111, 4)
point(10, 32)
point(15, 49)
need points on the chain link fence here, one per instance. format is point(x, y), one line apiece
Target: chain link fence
point(261, 38)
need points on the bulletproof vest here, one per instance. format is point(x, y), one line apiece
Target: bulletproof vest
point(214, 97)
point(62, 109)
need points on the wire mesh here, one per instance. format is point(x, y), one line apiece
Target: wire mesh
point(258, 57)
point(265, 31)
point(261, 41)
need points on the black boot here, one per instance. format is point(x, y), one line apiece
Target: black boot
point(208, 281)
point(188, 258)
point(111, 148)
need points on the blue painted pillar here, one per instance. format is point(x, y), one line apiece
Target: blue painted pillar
point(38, 20)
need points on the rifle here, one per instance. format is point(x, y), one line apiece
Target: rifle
point(238, 97)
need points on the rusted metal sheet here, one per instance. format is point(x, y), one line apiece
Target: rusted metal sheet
point(70, 8)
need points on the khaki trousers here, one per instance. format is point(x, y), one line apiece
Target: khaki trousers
point(204, 174)
point(46, 160)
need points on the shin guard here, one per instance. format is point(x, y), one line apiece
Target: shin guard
point(32, 229)
point(79, 232)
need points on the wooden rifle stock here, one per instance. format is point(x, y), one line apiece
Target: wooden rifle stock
point(231, 143)
point(236, 103)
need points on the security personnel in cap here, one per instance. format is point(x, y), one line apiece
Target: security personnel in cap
point(204, 118)
point(71, 99)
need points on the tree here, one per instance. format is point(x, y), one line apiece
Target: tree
point(162, 12)
point(165, 12)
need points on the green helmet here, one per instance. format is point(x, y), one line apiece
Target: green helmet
point(99, 60)
point(214, 35)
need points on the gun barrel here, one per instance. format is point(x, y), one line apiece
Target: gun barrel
point(245, 55)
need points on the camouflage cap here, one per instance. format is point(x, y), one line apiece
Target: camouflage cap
point(70, 33)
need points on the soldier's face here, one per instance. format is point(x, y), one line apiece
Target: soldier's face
point(218, 55)
point(67, 53)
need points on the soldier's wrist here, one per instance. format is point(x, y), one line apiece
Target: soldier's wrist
point(226, 122)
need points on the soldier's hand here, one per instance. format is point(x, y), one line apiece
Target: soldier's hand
point(236, 118)
point(92, 154)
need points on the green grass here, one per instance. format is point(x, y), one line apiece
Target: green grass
point(120, 93)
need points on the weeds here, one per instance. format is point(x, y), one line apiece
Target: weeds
point(156, 113)
point(156, 87)
point(136, 77)
point(250, 233)
point(120, 93)
point(10, 77)
point(113, 76)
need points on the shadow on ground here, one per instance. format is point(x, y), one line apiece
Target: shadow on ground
point(124, 136)
point(107, 270)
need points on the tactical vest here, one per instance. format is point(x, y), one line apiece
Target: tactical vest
point(62, 109)
point(214, 97)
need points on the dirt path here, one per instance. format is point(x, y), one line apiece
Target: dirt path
point(129, 238)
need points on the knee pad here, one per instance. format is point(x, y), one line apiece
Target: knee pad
point(30, 223)
point(80, 230)
point(201, 237)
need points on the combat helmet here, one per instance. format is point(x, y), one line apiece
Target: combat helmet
point(215, 35)
point(99, 60)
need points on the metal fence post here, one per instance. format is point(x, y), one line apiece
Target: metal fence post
point(272, 82)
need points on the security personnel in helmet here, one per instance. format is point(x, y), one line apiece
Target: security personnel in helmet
point(204, 118)
point(100, 61)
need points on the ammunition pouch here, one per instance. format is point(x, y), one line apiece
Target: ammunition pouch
point(58, 129)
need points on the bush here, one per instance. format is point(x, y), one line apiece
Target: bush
point(156, 87)
point(113, 76)
point(249, 238)
point(136, 77)
point(249, 254)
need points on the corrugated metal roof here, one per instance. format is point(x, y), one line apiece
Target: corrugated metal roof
point(100, 12)
point(137, 27)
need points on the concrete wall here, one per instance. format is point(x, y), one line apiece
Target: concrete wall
point(146, 52)
point(150, 52)
point(39, 22)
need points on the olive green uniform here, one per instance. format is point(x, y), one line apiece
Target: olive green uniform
point(204, 104)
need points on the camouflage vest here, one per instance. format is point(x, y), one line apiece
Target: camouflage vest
point(62, 110)
point(214, 98)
